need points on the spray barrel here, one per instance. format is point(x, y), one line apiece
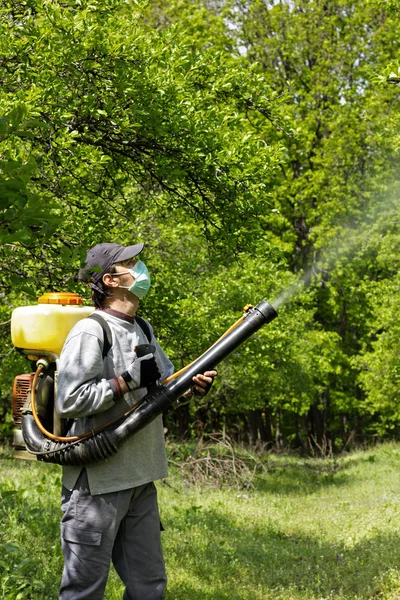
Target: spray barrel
point(44, 327)
point(104, 444)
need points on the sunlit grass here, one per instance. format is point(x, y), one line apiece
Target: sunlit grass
point(308, 529)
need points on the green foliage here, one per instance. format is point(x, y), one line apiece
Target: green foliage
point(26, 216)
point(130, 116)
point(380, 366)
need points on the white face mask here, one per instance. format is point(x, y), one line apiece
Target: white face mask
point(142, 282)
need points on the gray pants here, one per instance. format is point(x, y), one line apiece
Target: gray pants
point(120, 526)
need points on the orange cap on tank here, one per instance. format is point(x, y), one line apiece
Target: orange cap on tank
point(66, 298)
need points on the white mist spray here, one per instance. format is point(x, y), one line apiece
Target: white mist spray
point(342, 247)
point(296, 288)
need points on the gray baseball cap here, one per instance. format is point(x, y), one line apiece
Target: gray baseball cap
point(100, 258)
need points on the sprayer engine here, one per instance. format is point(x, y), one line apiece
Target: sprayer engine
point(21, 390)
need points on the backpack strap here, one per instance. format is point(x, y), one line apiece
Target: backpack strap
point(144, 326)
point(107, 331)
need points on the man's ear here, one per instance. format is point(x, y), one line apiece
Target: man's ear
point(109, 281)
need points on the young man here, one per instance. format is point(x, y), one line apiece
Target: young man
point(110, 507)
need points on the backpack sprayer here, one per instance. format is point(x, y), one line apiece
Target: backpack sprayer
point(38, 414)
point(39, 332)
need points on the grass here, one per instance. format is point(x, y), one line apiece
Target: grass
point(310, 529)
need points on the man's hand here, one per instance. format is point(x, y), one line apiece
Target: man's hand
point(143, 370)
point(203, 383)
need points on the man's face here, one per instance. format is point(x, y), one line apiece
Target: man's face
point(121, 272)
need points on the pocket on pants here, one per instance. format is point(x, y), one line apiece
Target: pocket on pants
point(78, 535)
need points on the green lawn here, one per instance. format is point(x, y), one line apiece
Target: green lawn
point(307, 529)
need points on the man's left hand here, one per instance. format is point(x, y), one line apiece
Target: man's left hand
point(203, 383)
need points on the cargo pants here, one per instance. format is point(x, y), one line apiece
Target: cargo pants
point(122, 527)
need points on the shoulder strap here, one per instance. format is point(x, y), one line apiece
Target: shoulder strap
point(106, 332)
point(144, 326)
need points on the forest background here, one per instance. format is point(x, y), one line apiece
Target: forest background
point(254, 147)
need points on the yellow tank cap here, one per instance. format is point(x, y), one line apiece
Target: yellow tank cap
point(65, 298)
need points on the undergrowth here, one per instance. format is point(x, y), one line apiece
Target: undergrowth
point(240, 524)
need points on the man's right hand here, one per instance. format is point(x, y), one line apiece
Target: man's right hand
point(142, 372)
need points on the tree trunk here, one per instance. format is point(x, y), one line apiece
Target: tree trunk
point(183, 417)
point(257, 430)
point(278, 434)
point(268, 424)
point(201, 420)
point(253, 432)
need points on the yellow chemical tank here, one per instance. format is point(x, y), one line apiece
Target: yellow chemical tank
point(44, 327)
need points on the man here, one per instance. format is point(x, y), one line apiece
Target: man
point(110, 507)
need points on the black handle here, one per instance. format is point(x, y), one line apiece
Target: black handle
point(144, 349)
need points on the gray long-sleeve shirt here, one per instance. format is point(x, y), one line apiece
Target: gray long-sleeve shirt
point(88, 392)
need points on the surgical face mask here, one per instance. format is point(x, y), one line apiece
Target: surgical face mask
point(142, 282)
